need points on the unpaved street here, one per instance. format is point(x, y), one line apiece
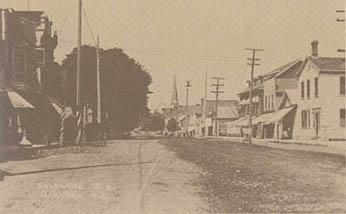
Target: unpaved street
point(134, 176)
point(175, 176)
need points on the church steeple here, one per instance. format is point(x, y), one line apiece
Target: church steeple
point(174, 100)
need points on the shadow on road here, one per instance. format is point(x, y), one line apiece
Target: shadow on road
point(75, 168)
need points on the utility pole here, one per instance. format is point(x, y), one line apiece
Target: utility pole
point(205, 105)
point(79, 108)
point(98, 81)
point(28, 5)
point(79, 44)
point(188, 85)
point(217, 92)
point(341, 20)
point(252, 64)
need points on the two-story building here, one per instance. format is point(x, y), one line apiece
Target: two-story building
point(26, 54)
point(268, 96)
point(321, 98)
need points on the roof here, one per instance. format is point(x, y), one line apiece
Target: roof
point(33, 16)
point(329, 63)
point(281, 69)
point(227, 112)
point(292, 95)
point(231, 104)
point(231, 109)
point(290, 69)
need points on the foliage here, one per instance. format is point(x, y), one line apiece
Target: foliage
point(172, 125)
point(124, 85)
point(154, 122)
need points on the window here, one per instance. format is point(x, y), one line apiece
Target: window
point(342, 85)
point(40, 57)
point(302, 90)
point(265, 102)
point(305, 116)
point(316, 87)
point(342, 118)
point(308, 88)
point(272, 101)
point(19, 63)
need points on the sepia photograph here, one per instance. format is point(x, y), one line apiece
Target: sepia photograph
point(172, 107)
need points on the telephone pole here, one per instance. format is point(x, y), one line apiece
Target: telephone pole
point(205, 105)
point(98, 81)
point(79, 44)
point(188, 85)
point(217, 92)
point(341, 20)
point(79, 108)
point(252, 64)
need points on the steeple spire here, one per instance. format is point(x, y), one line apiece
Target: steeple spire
point(174, 100)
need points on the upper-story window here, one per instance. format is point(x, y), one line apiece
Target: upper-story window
point(308, 89)
point(265, 103)
point(272, 101)
point(302, 89)
point(342, 85)
point(40, 57)
point(316, 86)
point(19, 63)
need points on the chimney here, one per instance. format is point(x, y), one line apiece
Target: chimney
point(314, 48)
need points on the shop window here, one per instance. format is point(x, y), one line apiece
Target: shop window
point(342, 85)
point(342, 118)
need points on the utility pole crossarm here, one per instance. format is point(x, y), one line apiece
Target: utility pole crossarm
point(217, 92)
point(252, 64)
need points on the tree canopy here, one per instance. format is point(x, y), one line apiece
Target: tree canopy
point(124, 85)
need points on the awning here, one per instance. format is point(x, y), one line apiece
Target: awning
point(280, 114)
point(244, 121)
point(264, 118)
point(244, 102)
point(18, 101)
point(255, 99)
point(56, 105)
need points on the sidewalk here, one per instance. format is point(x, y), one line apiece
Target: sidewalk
point(330, 147)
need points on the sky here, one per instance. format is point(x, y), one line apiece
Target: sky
point(189, 38)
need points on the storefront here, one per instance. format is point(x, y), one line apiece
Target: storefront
point(13, 108)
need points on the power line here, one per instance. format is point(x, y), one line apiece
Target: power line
point(89, 28)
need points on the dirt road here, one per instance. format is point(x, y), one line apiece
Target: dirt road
point(124, 177)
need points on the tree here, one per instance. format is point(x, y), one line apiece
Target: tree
point(172, 125)
point(154, 122)
point(124, 85)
